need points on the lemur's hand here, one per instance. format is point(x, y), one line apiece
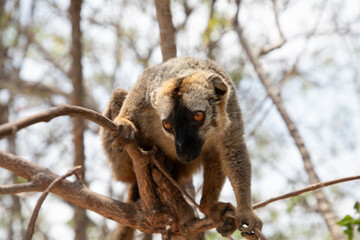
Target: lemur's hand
point(224, 225)
point(126, 133)
point(250, 219)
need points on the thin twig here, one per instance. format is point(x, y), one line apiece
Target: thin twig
point(31, 225)
point(271, 47)
point(304, 190)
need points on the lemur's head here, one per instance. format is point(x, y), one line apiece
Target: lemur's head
point(192, 109)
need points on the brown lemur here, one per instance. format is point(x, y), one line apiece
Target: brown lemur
point(188, 108)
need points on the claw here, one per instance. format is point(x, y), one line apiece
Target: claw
point(246, 221)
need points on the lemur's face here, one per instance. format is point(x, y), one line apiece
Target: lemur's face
point(191, 109)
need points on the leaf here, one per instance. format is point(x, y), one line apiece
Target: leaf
point(357, 207)
point(346, 221)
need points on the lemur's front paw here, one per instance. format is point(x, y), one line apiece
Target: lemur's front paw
point(251, 220)
point(224, 225)
point(125, 133)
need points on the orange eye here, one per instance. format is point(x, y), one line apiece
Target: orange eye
point(167, 125)
point(198, 116)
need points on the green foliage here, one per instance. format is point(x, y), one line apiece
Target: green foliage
point(350, 222)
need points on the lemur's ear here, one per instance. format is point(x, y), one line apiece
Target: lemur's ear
point(220, 87)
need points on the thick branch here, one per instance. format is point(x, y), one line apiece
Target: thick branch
point(185, 195)
point(61, 110)
point(77, 193)
point(141, 168)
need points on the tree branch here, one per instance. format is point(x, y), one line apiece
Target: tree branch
point(31, 225)
point(143, 178)
point(61, 110)
point(77, 193)
point(310, 188)
point(185, 195)
point(19, 188)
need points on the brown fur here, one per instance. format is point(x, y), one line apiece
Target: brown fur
point(200, 85)
point(120, 162)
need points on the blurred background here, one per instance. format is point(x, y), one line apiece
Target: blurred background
point(315, 67)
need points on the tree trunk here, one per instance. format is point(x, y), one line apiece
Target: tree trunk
point(167, 29)
point(75, 74)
